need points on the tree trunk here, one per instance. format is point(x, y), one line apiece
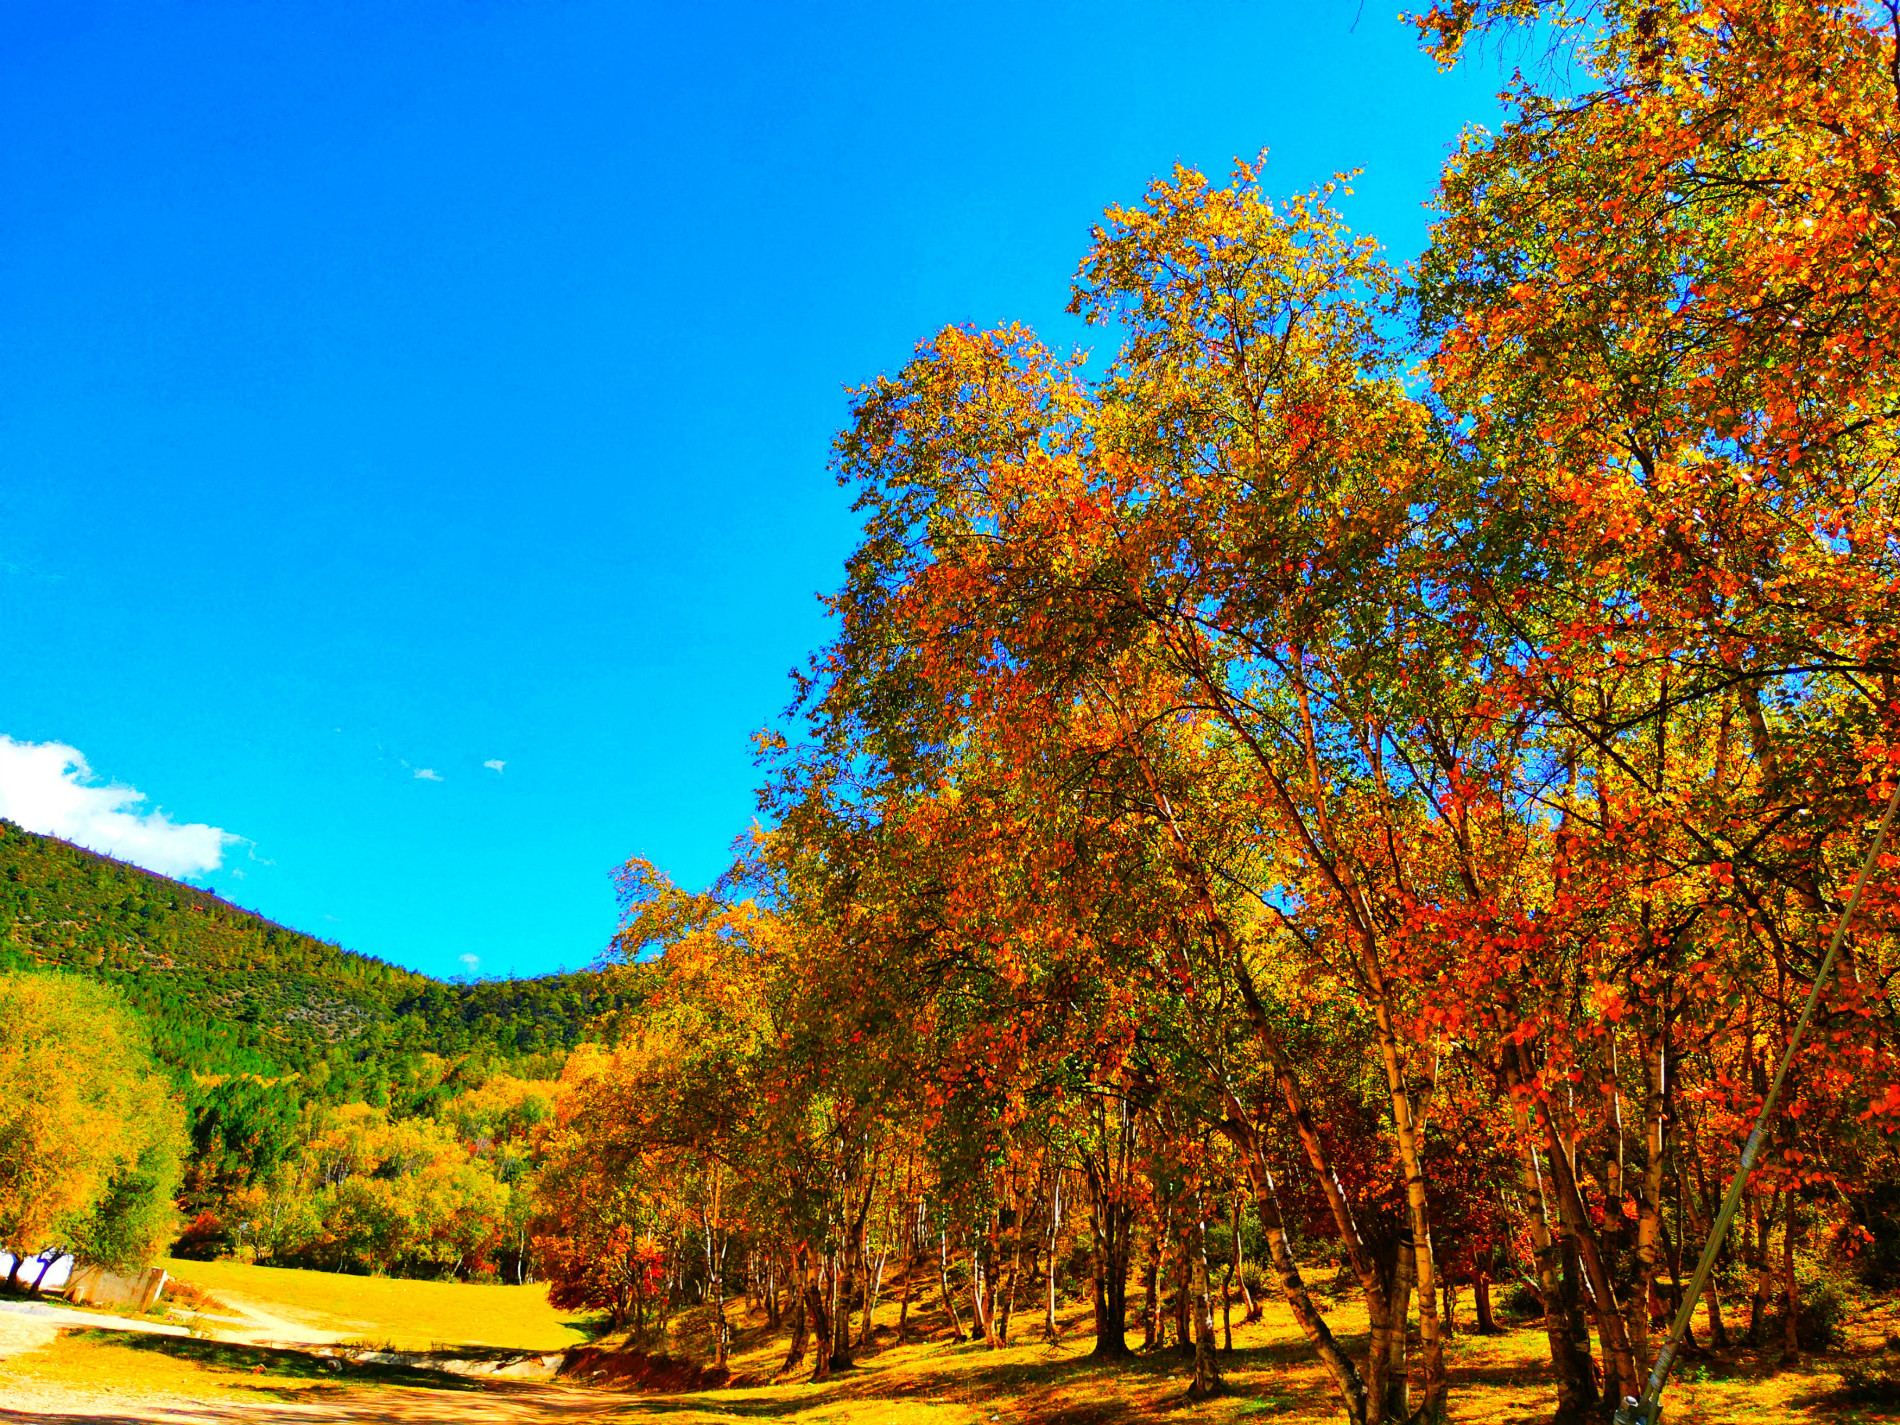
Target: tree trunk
point(716, 1278)
point(1764, 1271)
point(1790, 1293)
point(872, 1287)
point(48, 1260)
point(1619, 1364)
point(909, 1260)
point(821, 1328)
point(1569, 1358)
point(1184, 1337)
point(979, 1297)
point(1227, 1306)
point(1718, 1330)
point(1253, 1308)
point(1346, 1382)
point(1207, 1377)
point(1009, 1292)
point(1151, 1327)
point(1649, 1261)
point(800, 1320)
point(1398, 1363)
point(1432, 1408)
point(943, 1277)
point(1111, 1229)
point(1481, 1303)
point(1049, 1331)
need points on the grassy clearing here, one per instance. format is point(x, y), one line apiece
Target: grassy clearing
point(405, 1315)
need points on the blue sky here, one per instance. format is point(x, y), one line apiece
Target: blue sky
point(391, 389)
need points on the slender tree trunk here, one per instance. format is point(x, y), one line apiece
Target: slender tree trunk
point(821, 1327)
point(1184, 1297)
point(909, 1260)
point(1649, 1206)
point(1701, 1224)
point(1009, 1290)
point(1111, 1228)
point(949, 1297)
point(1227, 1304)
point(795, 1352)
point(979, 1297)
point(1252, 1308)
point(1151, 1293)
point(1619, 1365)
point(1049, 1331)
point(1481, 1304)
point(1764, 1271)
point(1207, 1376)
point(716, 1274)
point(844, 1286)
point(873, 1286)
point(1432, 1408)
point(1790, 1293)
point(1718, 1330)
point(1350, 1390)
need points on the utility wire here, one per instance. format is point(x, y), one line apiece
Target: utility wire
point(1648, 1409)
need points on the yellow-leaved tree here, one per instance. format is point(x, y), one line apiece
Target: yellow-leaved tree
point(91, 1133)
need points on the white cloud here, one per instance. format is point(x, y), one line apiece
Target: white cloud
point(428, 774)
point(49, 788)
point(494, 764)
point(471, 962)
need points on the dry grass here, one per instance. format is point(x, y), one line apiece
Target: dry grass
point(406, 1315)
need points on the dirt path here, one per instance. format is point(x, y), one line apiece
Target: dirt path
point(23, 1333)
point(255, 1324)
point(47, 1314)
point(541, 1405)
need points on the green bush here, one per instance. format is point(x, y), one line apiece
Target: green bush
point(1821, 1315)
point(1520, 1298)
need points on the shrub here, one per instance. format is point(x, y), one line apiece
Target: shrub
point(1520, 1298)
point(1869, 1384)
point(204, 1239)
point(1821, 1313)
point(1876, 1259)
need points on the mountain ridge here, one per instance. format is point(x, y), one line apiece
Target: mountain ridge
point(228, 991)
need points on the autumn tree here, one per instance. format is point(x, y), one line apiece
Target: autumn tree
point(90, 1130)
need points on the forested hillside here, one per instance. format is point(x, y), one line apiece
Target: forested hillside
point(226, 991)
point(337, 1110)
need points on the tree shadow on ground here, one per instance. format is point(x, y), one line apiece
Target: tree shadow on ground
point(323, 1372)
point(1072, 1390)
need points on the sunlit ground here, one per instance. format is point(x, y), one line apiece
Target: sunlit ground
point(102, 1376)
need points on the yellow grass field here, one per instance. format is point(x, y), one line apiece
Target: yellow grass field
point(1497, 1380)
point(408, 1315)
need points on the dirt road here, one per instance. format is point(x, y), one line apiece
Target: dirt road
point(536, 1405)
